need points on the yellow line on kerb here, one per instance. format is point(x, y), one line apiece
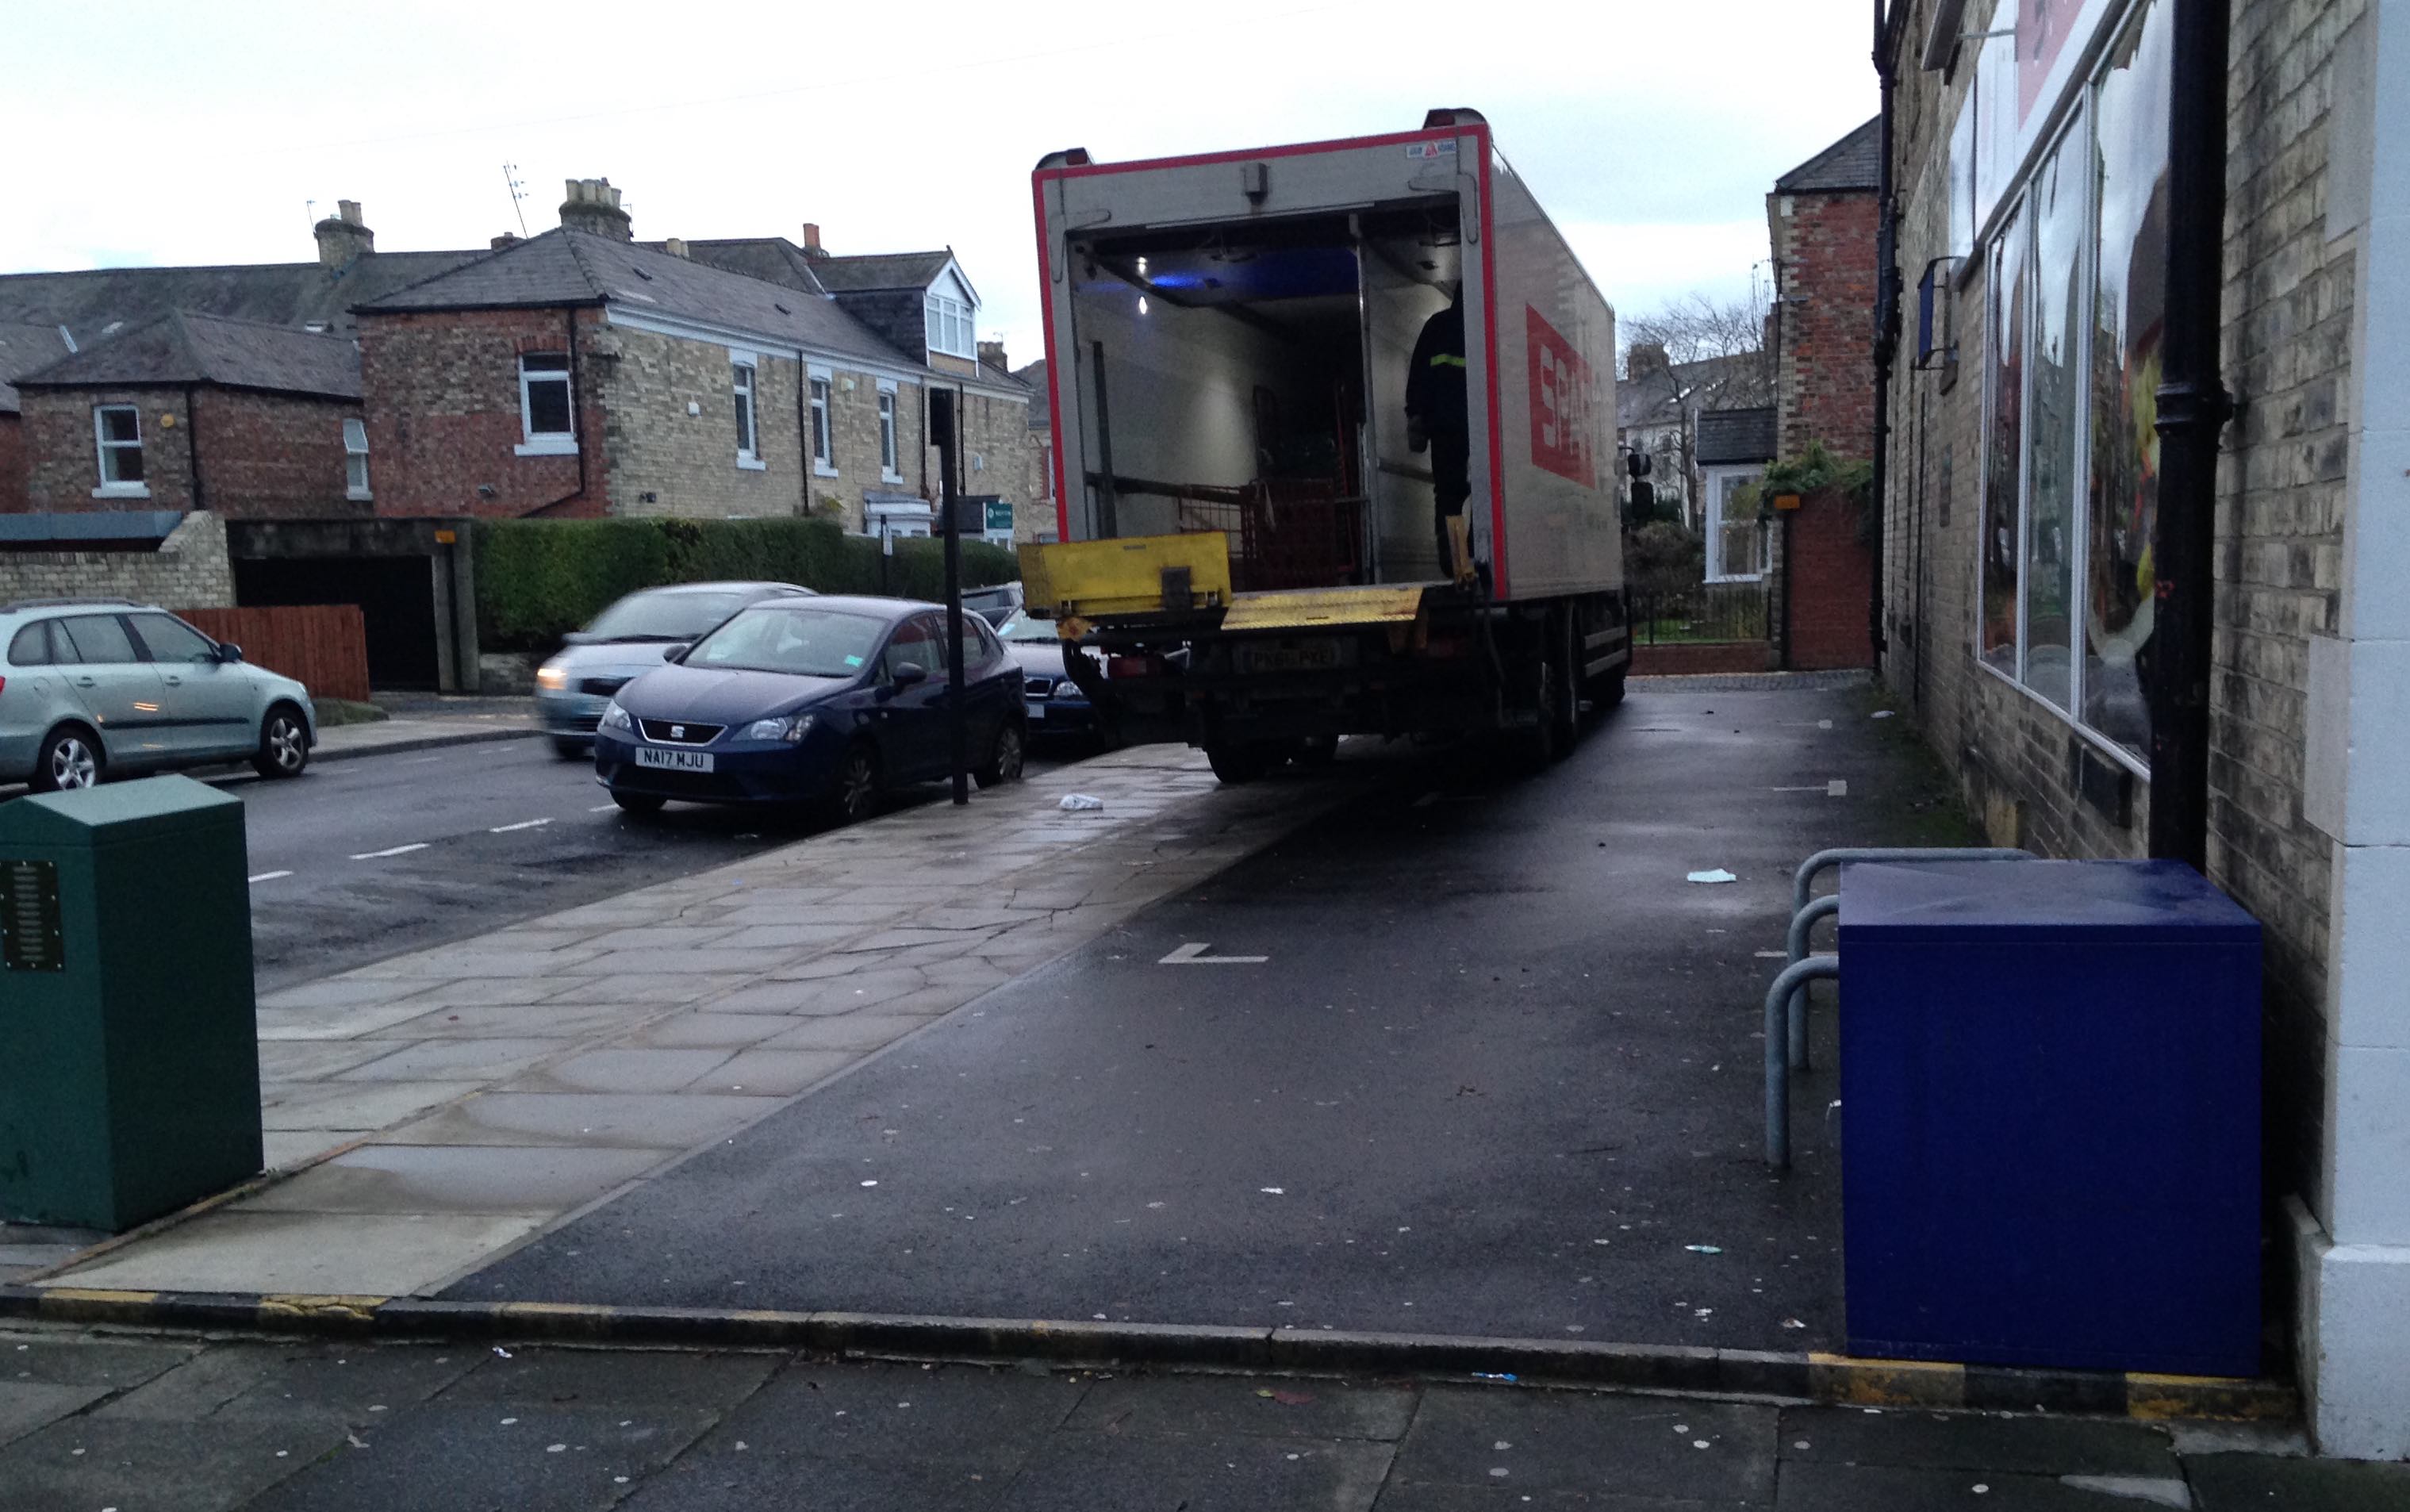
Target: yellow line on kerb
point(303, 1305)
point(1886, 1382)
point(72, 1303)
point(2161, 1397)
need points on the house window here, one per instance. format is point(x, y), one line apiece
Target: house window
point(545, 410)
point(824, 448)
point(117, 430)
point(355, 460)
point(2070, 463)
point(950, 327)
point(1735, 539)
point(741, 380)
point(887, 456)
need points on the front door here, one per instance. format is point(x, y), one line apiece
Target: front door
point(209, 700)
point(121, 691)
point(911, 718)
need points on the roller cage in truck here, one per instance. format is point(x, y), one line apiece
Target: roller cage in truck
point(1228, 342)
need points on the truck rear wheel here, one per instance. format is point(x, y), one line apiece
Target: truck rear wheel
point(1238, 761)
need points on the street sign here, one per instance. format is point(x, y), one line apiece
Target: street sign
point(999, 516)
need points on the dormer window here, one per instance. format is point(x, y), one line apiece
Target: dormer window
point(949, 327)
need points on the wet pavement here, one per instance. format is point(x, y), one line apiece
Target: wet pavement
point(1496, 1073)
point(179, 1424)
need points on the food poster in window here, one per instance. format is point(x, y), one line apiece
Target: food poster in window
point(2054, 408)
point(2004, 450)
point(2130, 168)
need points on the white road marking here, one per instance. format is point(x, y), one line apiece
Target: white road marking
point(1837, 789)
point(602, 809)
point(270, 876)
point(1193, 953)
point(397, 851)
point(522, 824)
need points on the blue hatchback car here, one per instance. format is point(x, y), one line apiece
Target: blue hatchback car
point(823, 702)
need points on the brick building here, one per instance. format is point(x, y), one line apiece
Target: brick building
point(192, 413)
point(1041, 523)
point(2038, 224)
point(24, 349)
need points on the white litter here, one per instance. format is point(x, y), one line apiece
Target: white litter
point(1719, 875)
point(1272, 1191)
point(1885, 714)
point(1080, 803)
point(1705, 1249)
point(499, 1350)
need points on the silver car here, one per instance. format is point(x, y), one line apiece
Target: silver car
point(91, 686)
point(630, 637)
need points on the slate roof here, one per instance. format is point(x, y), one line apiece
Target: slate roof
point(880, 271)
point(1853, 163)
point(22, 349)
point(90, 301)
point(183, 347)
point(576, 267)
point(1041, 416)
point(1660, 396)
point(771, 259)
point(1736, 436)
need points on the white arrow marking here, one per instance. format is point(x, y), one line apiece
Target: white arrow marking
point(270, 876)
point(1193, 953)
point(397, 851)
point(522, 824)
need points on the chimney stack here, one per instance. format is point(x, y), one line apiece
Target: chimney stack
point(812, 247)
point(674, 246)
point(508, 239)
point(343, 236)
point(593, 207)
point(1646, 357)
point(992, 355)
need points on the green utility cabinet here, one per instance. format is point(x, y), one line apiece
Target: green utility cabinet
point(129, 1055)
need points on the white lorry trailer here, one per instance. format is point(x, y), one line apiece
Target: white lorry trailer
point(1247, 531)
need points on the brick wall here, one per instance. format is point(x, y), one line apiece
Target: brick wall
point(853, 430)
point(1829, 574)
point(996, 433)
point(62, 462)
point(441, 391)
point(190, 569)
point(2289, 304)
point(664, 461)
point(1825, 375)
point(12, 465)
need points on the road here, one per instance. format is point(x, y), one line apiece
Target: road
point(1468, 1056)
point(365, 858)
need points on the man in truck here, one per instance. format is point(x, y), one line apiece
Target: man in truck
point(1436, 415)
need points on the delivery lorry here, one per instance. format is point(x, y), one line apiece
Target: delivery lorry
point(1247, 533)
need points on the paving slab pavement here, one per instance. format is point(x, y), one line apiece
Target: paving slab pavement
point(445, 1103)
point(91, 1420)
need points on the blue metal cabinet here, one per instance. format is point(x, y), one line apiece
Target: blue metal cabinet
point(2050, 1085)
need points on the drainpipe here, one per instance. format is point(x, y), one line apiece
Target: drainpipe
point(193, 448)
point(1886, 336)
point(2194, 407)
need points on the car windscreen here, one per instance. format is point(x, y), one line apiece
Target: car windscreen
point(1022, 629)
point(799, 640)
point(663, 616)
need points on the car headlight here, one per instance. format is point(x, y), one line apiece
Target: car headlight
point(616, 718)
point(551, 679)
point(791, 728)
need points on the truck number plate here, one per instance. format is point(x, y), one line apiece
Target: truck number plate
point(1304, 655)
point(674, 761)
point(30, 939)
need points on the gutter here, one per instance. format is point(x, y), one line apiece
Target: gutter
point(1886, 331)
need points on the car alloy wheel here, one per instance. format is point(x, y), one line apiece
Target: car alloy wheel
point(73, 764)
point(284, 748)
point(857, 786)
point(1004, 762)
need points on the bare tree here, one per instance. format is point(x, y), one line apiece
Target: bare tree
point(1698, 326)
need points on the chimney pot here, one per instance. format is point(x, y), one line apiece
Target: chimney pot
point(508, 239)
point(593, 206)
point(674, 246)
point(344, 236)
point(992, 355)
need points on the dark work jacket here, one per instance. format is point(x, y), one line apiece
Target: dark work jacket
point(1435, 379)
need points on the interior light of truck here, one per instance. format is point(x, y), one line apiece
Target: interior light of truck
point(1141, 304)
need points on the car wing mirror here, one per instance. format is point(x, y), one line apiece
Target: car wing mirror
point(908, 673)
point(229, 652)
point(670, 653)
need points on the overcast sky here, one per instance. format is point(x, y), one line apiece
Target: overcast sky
point(152, 133)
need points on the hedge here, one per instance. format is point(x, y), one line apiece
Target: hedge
point(539, 579)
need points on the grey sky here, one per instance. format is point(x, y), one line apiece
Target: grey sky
point(184, 133)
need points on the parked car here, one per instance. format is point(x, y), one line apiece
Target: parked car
point(94, 688)
point(825, 702)
point(1055, 704)
point(625, 639)
point(995, 604)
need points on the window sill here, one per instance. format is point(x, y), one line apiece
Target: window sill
point(362, 497)
point(547, 446)
point(751, 464)
point(896, 478)
point(123, 490)
point(822, 469)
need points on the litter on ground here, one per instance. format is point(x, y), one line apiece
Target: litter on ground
point(1080, 803)
point(1719, 875)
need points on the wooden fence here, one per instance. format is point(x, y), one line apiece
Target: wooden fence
point(323, 647)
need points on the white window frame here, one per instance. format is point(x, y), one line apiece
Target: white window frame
point(952, 327)
point(103, 448)
point(822, 389)
point(891, 440)
point(355, 459)
point(1712, 481)
point(745, 383)
point(533, 443)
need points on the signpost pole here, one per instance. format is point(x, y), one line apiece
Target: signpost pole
point(945, 416)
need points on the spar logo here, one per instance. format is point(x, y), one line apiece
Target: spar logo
point(1562, 423)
